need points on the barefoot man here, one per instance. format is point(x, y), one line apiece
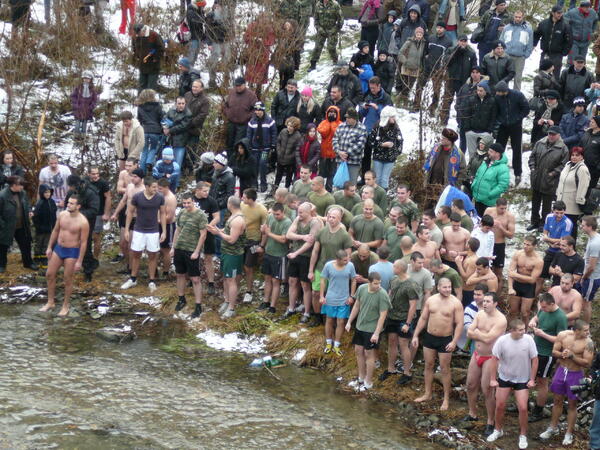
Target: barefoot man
point(442, 320)
point(489, 324)
point(504, 227)
point(525, 268)
point(455, 241)
point(567, 298)
point(466, 268)
point(170, 207)
point(574, 350)
point(483, 274)
point(425, 246)
point(70, 235)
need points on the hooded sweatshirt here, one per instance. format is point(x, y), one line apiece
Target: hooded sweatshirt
point(44, 215)
point(327, 129)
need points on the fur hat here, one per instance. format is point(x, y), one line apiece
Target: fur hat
point(450, 134)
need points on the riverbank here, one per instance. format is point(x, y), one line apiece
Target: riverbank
point(288, 340)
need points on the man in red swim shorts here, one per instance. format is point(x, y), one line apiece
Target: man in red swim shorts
point(489, 324)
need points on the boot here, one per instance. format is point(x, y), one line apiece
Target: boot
point(313, 66)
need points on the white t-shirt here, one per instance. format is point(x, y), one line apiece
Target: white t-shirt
point(57, 181)
point(514, 357)
point(486, 242)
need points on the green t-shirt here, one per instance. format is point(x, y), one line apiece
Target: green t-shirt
point(321, 202)
point(393, 242)
point(301, 189)
point(362, 267)
point(330, 243)
point(466, 222)
point(278, 227)
point(410, 210)
point(401, 292)
point(237, 248)
point(424, 282)
point(372, 304)
point(367, 230)
point(550, 323)
point(346, 202)
point(441, 225)
point(190, 225)
point(346, 215)
point(303, 230)
point(358, 209)
point(453, 276)
point(379, 197)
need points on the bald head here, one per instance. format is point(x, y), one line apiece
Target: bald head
point(368, 192)
point(400, 267)
point(406, 244)
point(364, 250)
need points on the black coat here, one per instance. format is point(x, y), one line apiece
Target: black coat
point(8, 216)
point(199, 106)
point(89, 200)
point(44, 215)
point(306, 116)
point(359, 58)
point(591, 146)
point(150, 115)
point(556, 37)
point(498, 69)
point(148, 51)
point(244, 167)
point(179, 131)
point(511, 108)
point(480, 115)
point(386, 71)
point(344, 104)
point(543, 82)
point(573, 84)
point(350, 85)
point(15, 169)
point(540, 131)
point(436, 48)
point(460, 61)
point(282, 108)
point(196, 21)
point(222, 187)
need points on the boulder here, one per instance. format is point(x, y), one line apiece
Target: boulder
point(117, 335)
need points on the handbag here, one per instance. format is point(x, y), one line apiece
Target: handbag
point(592, 199)
point(342, 174)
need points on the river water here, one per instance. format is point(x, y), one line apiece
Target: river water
point(61, 387)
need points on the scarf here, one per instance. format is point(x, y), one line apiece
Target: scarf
point(453, 165)
point(85, 91)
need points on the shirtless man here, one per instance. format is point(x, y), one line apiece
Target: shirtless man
point(136, 185)
point(525, 268)
point(302, 235)
point(425, 245)
point(567, 298)
point(70, 234)
point(442, 320)
point(466, 268)
point(489, 324)
point(504, 228)
point(574, 350)
point(124, 180)
point(483, 274)
point(170, 207)
point(233, 237)
point(455, 241)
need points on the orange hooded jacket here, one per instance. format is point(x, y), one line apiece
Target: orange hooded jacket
point(327, 129)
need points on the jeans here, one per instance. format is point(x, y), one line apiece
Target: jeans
point(235, 132)
point(80, 127)
point(382, 172)
point(514, 131)
point(262, 166)
point(89, 263)
point(148, 81)
point(578, 48)
point(193, 49)
point(24, 242)
point(179, 153)
point(284, 170)
point(595, 427)
point(571, 6)
point(327, 168)
point(545, 201)
point(151, 144)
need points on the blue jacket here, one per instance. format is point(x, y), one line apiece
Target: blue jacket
point(161, 169)
point(365, 76)
point(592, 95)
point(581, 27)
point(444, 6)
point(371, 115)
point(572, 128)
point(511, 108)
point(518, 39)
point(268, 130)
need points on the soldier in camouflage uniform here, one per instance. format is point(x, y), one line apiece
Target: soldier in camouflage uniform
point(328, 21)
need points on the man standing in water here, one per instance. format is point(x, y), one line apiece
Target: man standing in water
point(513, 368)
point(442, 320)
point(70, 235)
point(489, 324)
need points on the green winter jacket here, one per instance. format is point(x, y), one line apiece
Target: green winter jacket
point(491, 181)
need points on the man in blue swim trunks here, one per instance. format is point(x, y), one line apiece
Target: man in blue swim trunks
point(66, 247)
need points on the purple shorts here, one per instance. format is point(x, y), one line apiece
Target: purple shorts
point(563, 380)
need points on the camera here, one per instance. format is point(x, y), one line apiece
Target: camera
point(584, 385)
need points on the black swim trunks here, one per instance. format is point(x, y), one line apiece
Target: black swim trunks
point(525, 290)
point(512, 385)
point(500, 255)
point(437, 343)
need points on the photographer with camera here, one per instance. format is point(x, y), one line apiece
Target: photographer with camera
point(574, 351)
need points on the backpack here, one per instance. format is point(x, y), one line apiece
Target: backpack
point(183, 35)
point(592, 198)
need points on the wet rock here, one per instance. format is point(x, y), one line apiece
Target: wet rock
point(118, 335)
point(448, 443)
point(423, 423)
point(465, 447)
point(433, 419)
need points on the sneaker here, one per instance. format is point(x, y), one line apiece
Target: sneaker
point(517, 180)
point(180, 304)
point(549, 433)
point(247, 298)
point(304, 318)
point(355, 383)
point(129, 284)
point(532, 227)
point(404, 379)
point(87, 277)
point(469, 418)
point(328, 348)
point(316, 321)
point(386, 374)
point(496, 434)
point(536, 415)
point(288, 314)
point(338, 351)
point(299, 308)
point(523, 441)
point(364, 387)
point(263, 306)
point(228, 314)
point(116, 259)
point(272, 310)
point(223, 307)
point(152, 287)
point(568, 440)
point(210, 290)
point(197, 311)
point(489, 429)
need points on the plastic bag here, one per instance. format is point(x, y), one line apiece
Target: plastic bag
point(342, 174)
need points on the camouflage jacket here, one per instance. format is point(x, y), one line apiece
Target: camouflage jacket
point(328, 17)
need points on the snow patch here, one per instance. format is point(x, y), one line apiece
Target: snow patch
point(299, 356)
point(155, 302)
point(233, 342)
